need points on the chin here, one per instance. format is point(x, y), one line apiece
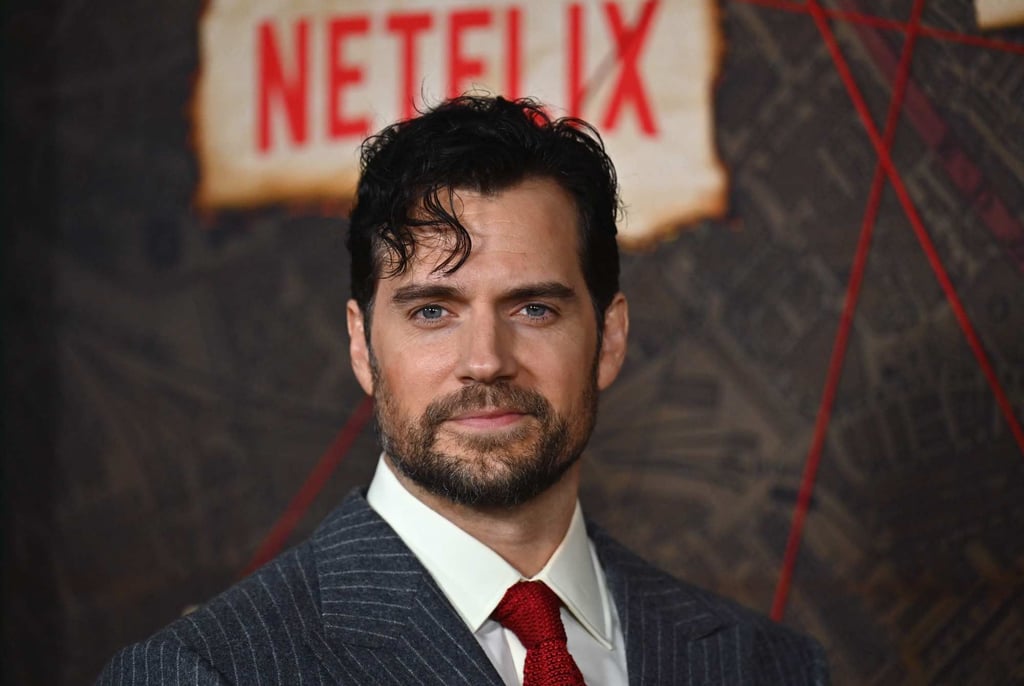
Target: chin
point(486, 478)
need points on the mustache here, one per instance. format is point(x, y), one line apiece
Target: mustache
point(480, 396)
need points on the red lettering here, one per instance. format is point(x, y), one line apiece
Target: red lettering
point(341, 75)
point(408, 27)
point(629, 41)
point(460, 67)
point(513, 59)
point(575, 80)
point(273, 85)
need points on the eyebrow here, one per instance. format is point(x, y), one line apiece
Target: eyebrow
point(552, 290)
point(420, 291)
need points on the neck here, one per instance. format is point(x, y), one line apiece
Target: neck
point(525, 535)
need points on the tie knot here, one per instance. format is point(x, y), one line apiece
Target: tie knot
point(530, 610)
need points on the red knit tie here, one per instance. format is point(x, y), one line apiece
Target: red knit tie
point(530, 611)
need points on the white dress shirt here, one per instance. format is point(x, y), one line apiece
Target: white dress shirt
point(475, 578)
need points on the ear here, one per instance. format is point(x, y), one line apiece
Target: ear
point(613, 343)
point(358, 348)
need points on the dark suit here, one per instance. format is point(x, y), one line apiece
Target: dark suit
point(353, 605)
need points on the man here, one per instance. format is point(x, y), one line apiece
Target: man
point(486, 318)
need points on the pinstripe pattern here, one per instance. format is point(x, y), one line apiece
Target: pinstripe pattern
point(678, 634)
point(354, 606)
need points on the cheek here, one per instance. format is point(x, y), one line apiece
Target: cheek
point(412, 378)
point(424, 366)
point(406, 356)
point(562, 379)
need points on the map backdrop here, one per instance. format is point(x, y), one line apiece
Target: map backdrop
point(172, 375)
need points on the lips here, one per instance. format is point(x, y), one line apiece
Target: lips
point(488, 418)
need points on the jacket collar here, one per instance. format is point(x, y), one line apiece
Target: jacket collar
point(668, 626)
point(382, 614)
point(384, 617)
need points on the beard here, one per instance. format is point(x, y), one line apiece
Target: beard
point(500, 469)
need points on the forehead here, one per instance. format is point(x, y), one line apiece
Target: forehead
point(528, 228)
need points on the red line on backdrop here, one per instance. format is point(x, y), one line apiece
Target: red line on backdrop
point(841, 343)
point(329, 461)
point(934, 261)
point(966, 176)
point(969, 39)
point(894, 25)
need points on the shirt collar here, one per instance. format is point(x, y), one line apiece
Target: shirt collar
point(474, 577)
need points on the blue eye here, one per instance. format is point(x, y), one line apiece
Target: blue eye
point(536, 311)
point(430, 312)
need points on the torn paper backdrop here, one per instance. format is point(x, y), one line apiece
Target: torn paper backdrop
point(993, 14)
point(289, 88)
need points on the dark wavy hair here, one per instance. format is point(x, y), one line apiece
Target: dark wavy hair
point(485, 144)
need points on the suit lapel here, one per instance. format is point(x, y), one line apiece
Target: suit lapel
point(673, 634)
point(384, 620)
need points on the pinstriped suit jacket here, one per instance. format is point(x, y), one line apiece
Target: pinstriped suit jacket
point(352, 605)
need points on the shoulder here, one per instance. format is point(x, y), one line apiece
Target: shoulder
point(258, 626)
point(158, 661)
point(776, 653)
point(255, 627)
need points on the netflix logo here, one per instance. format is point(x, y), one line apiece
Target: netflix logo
point(284, 79)
point(288, 89)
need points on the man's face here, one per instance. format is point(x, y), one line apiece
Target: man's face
point(486, 380)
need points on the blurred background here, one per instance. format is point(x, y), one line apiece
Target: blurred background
point(172, 375)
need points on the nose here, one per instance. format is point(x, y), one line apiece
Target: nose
point(486, 350)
